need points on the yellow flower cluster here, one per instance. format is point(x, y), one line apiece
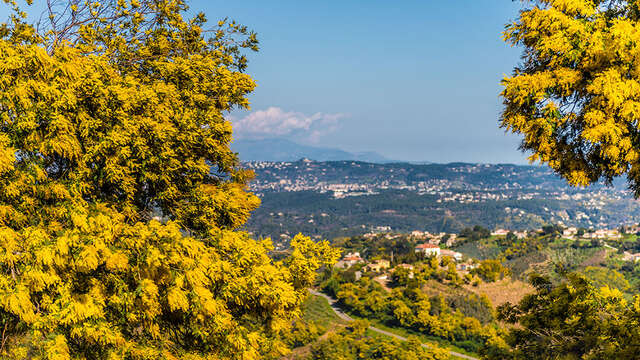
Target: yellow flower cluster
point(120, 197)
point(576, 97)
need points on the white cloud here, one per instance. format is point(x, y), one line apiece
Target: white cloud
point(275, 122)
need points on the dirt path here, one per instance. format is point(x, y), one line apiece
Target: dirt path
point(345, 317)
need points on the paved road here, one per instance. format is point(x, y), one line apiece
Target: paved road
point(345, 317)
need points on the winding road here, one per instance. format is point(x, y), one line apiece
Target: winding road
point(345, 317)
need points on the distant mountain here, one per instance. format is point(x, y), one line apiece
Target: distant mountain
point(285, 150)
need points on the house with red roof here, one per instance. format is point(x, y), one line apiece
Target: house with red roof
point(349, 260)
point(428, 249)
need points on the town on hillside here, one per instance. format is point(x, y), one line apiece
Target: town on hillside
point(426, 244)
point(346, 198)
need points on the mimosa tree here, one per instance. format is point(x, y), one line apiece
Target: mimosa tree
point(575, 98)
point(119, 196)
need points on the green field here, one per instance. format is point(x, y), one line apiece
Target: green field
point(316, 309)
point(425, 339)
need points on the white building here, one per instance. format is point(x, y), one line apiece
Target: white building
point(452, 254)
point(520, 234)
point(452, 239)
point(349, 260)
point(428, 249)
point(500, 232)
point(604, 234)
point(569, 232)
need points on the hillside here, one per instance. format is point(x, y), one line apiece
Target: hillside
point(453, 299)
point(330, 199)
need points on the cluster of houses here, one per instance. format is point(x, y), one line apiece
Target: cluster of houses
point(349, 260)
point(611, 234)
point(352, 259)
point(447, 239)
point(441, 238)
point(569, 233)
point(381, 265)
point(428, 249)
point(504, 232)
point(431, 247)
point(631, 257)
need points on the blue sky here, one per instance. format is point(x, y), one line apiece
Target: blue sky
point(412, 80)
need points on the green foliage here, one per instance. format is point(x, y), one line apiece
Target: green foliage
point(476, 233)
point(303, 333)
point(571, 320)
point(112, 116)
point(457, 319)
point(631, 246)
point(378, 246)
point(523, 247)
point(353, 344)
point(345, 216)
point(474, 306)
point(601, 277)
point(573, 97)
point(317, 317)
point(401, 276)
point(490, 270)
point(553, 229)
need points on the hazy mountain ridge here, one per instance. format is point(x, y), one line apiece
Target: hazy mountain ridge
point(286, 150)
